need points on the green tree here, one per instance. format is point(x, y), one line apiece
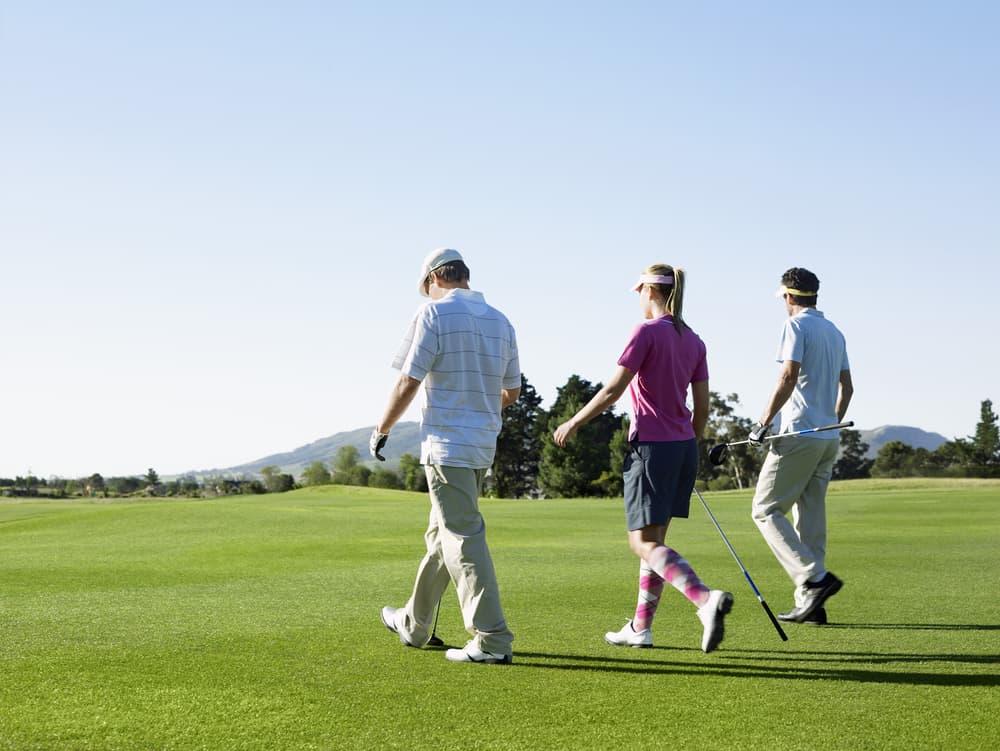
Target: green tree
point(275, 481)
point(95, 484)
point(951, 458)
point(251, 487)
point(895, 459)
point(571, 472)
point(852, 464)
point(123, 485)
point(984, 454)
point(515, 467)
point(316, 474)
point(345, 464)
point(611, 482)
point(359, 475)
point(385, 478)
point(414, 477)
point(922, 464)
point(29, 484)
point(743, 462)
point(189, 485)
point(152, 479)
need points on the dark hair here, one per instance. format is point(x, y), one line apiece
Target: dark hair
point(452, 272)
point(803, 280)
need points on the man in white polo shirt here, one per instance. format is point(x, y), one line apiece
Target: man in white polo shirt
point(464, 354)
point(814, 389)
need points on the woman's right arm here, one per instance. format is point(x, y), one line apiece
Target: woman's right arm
point(602, 400)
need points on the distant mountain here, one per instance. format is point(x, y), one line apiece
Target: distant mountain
point(405, 439)
point(915, 437)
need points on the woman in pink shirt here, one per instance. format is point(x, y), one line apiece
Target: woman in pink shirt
point(662, 358)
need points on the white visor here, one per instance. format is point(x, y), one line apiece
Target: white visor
point(652, 279)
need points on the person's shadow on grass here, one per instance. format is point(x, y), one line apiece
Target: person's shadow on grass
point(859, 667)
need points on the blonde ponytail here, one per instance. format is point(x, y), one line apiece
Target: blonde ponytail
point(671, 294)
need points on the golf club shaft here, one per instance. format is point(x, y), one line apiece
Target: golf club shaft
point(760, 598)
point(848, 424)
point(436, 614)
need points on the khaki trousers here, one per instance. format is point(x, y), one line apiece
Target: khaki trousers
point(794, 478)
point(457, 551)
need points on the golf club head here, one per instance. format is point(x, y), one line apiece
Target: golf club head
point(718, 454)
point(435, 641)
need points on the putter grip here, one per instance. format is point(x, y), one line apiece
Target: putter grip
point(777, 626)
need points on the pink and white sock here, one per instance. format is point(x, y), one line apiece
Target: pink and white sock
point(668, 563)
point(650, 589)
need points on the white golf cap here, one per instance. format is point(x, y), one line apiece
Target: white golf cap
point(435, 259)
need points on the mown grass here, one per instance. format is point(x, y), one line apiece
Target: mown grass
point(252, 623)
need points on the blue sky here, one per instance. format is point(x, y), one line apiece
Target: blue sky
point(213, 213)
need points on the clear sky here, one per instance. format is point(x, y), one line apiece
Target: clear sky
point(212, 214)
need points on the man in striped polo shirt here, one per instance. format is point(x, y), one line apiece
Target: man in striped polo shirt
point(464, 354)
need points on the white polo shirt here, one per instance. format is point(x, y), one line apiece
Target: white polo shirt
point(809, 339)
point(464, 351)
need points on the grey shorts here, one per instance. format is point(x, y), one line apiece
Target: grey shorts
point(659, 477)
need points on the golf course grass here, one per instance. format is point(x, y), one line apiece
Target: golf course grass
point(253, 623)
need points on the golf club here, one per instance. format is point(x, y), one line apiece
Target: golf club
point(435, 640)
point(719, 453)
point(760, 599)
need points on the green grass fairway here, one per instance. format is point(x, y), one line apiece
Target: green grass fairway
point(253, 623)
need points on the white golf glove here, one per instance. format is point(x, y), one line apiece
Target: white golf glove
point(757, 433)
point(376, 443)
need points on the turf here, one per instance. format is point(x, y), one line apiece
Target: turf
point(252, 623)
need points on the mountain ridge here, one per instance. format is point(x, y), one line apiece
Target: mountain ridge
point(915, 437)
point(405, 439)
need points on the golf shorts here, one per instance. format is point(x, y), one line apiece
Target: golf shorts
point(659, 477)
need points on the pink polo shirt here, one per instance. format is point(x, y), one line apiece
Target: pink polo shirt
point(665, 364)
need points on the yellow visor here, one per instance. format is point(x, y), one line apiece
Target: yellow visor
point(782, 291)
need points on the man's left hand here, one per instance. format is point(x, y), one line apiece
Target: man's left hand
point(376, 443)
point(757, 433)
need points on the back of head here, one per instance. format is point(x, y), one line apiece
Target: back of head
point(447, 263)
point(672, 295)
point(453, 272)
point(802, 285)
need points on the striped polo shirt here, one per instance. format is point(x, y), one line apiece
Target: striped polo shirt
point(464, 351)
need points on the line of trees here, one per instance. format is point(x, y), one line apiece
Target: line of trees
point(975, 456)
point(528, 464)
point(188, 486)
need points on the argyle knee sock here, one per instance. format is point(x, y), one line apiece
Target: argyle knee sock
point(650, 589)
point(668, 563)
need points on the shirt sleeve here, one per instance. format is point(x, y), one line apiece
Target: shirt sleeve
point(512, 376)
point(791, 345)
point(701, 368)
point(418, 350)
point(636, 350)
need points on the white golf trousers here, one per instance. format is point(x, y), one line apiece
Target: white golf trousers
point(794, 479)
point(457, 552)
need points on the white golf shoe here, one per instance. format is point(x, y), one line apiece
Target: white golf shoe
point(390, 619)
point(712, 616)
point(629, 637)
point(471, 653)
